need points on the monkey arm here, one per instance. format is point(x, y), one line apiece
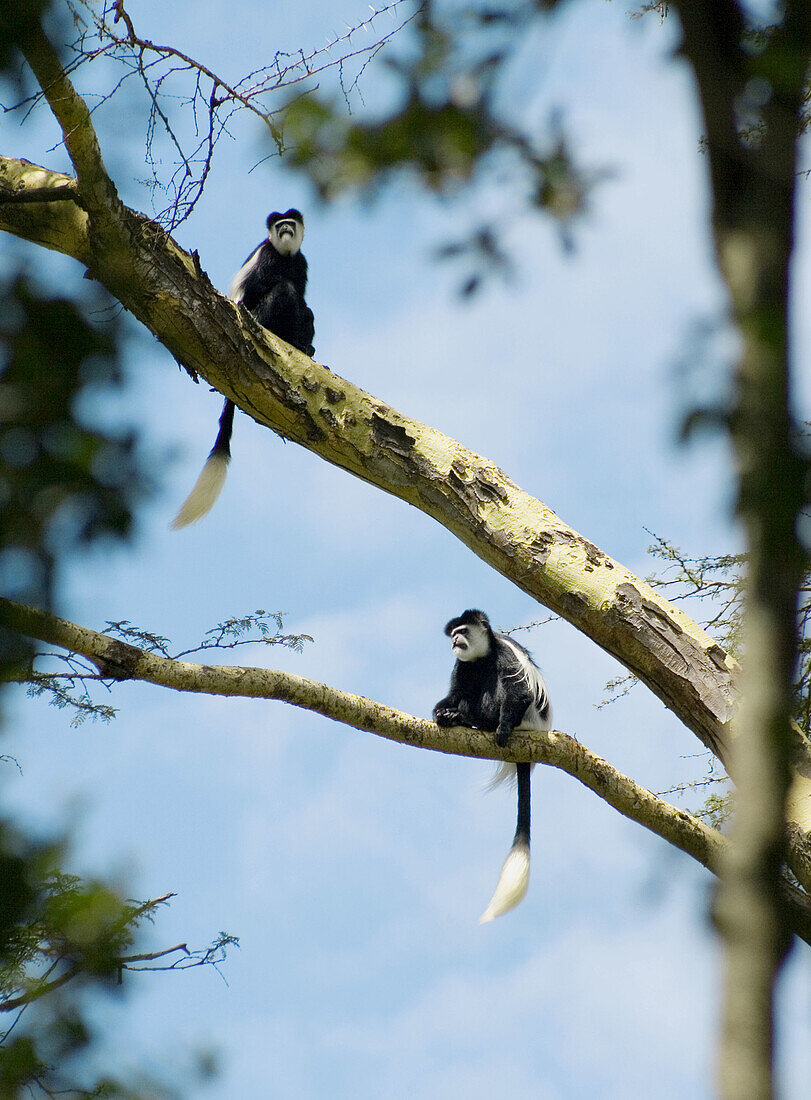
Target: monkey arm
point(449, 711)
point(307, 326)
point(455, 709)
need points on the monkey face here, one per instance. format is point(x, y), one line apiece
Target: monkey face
point(286, 232)
point(469, 642)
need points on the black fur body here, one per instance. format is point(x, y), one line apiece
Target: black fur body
point(271, 285)
point(274, 290)
point(497, 687)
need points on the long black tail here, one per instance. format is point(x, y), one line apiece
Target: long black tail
point(212, 477)
point(523, 772)
point(222, 444)
point(514, 878)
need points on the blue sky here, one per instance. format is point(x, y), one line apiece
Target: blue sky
point(352, 869)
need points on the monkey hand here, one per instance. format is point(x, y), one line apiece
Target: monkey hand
point(502, 736)
point(447, 716)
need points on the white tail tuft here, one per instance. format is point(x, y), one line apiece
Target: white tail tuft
point(512, 883)
point(505, 773)
point(205, 492)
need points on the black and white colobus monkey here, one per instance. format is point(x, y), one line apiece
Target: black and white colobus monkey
point(271, 284)
point(496, 686)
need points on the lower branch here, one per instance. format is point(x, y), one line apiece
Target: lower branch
point(120, 661)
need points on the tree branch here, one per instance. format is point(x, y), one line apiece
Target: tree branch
point(30, 208)
point(72, 114)
point(207, 956)
point(168, 73)
point(150, 956)
point(41, 989)
point(66, 193)
point(120, 661)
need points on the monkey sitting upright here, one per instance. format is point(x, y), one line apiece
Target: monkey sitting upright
point(496, 686)
point(271, 284)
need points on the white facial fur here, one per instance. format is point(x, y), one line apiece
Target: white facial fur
point(470, 642)
point(286, 236)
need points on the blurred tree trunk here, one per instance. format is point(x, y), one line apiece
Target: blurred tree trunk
point(752, 97)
